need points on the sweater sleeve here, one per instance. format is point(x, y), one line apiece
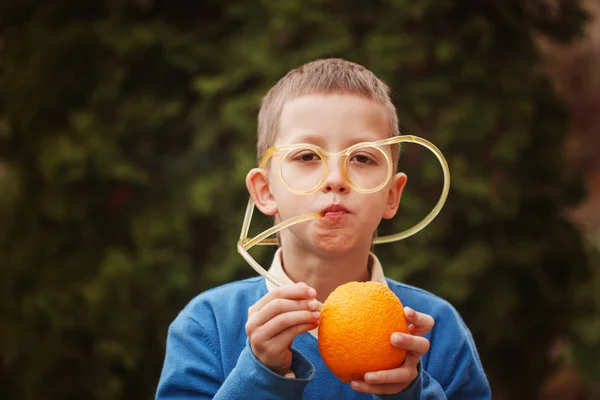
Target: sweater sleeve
point(453, 370)
point(193, 369)
point(423, 387)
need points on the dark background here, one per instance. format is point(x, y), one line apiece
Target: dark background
point(127, 128)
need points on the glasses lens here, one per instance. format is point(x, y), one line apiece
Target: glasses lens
point(302, 169)
point(367, 167)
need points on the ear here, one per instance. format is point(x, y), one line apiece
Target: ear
point(257, 183)
point(395, 194)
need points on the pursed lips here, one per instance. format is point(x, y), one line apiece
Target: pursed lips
point(335, 211)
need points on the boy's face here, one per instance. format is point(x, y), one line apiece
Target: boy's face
point(332, 122)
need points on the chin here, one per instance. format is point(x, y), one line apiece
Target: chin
point(335, 242)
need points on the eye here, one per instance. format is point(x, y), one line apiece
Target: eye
point(363, 158)
point(306, 156)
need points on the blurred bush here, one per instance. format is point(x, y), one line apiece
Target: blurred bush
point(126, 130)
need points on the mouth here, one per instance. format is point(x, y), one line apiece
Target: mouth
point(334, 211)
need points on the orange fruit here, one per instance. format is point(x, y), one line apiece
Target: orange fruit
point(357, 321)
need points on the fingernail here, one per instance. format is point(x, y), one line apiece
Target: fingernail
point(316, 315)
point(312, 292)
point(313, 305)
point(370, 376)
point(355, 384)
point(409, 312)
point(397, 338)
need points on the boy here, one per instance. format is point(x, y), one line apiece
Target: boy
point(252, 340)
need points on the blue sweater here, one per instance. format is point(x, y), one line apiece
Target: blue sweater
point(208, 354)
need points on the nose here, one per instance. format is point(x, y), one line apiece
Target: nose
point(335, 182)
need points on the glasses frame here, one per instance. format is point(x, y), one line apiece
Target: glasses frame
point(244, 243)
point(325, 155)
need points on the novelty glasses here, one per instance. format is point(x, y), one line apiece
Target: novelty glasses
point(367, 167)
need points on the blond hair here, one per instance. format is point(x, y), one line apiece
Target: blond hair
point(332, 75)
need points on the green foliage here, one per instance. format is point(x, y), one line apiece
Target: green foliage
point(585, 351)
point(127, 128)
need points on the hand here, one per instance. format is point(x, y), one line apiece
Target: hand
point(396, 380)
point(276, 319)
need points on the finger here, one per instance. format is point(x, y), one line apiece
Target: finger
point(364, 387)
point(296, 291)
point(416, 344)
point(284, 339)
point(284, 321)
point(401, 375)
point(411, 360)
point(279, 306)
point(420, 323)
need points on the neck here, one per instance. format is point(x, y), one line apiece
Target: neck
point(325, 272)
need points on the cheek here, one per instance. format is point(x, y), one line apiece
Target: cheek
point(290, 204)
point(278, 190)
point(377, 201)
point(374, 206)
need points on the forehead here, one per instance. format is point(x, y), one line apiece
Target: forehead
point(332, 120)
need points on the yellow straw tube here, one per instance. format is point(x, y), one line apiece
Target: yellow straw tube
point(244, 243)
